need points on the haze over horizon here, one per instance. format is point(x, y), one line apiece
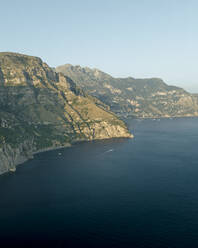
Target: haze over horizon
point(140, 39)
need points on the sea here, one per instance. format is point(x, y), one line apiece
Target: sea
point(122, 193)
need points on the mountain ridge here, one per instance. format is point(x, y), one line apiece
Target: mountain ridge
point(142, 98)
point(41, 109)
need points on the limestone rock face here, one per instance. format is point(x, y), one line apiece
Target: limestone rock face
point(147, 98)
point(41, 109)
point(12, 156)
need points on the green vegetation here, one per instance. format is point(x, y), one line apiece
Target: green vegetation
point(133, 97)
point(41, 109)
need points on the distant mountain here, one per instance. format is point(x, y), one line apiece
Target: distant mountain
point(41, 109)
point(134, 97)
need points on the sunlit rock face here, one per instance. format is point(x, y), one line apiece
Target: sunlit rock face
point(134, 97)
point(41, 109)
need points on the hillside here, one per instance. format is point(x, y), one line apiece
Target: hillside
point(147, 98)
point(41, 109)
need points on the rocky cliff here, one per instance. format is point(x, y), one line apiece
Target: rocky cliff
point(134, 97)
point(41, 109)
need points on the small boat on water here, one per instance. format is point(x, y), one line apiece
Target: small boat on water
point(12, 169)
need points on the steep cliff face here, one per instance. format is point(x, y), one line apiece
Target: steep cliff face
point(12, 156)
point(134, 97)
point(41, 109)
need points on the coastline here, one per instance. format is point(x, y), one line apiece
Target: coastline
point(24, 158)
point(51, 148)
point(158, 117)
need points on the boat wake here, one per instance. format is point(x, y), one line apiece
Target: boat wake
point(110, 150)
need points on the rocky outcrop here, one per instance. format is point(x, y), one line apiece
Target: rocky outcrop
point(10, 157)
point(145, 98)
point(41, 109)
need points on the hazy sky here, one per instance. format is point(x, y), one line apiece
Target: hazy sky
point(138, 38)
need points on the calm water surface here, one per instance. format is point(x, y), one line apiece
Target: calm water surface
point(141, 192)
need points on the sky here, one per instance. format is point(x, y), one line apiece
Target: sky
point(137, 38)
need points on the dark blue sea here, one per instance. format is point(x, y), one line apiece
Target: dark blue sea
point(140, 192)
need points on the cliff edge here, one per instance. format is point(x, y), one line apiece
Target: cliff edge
point(41, 109)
